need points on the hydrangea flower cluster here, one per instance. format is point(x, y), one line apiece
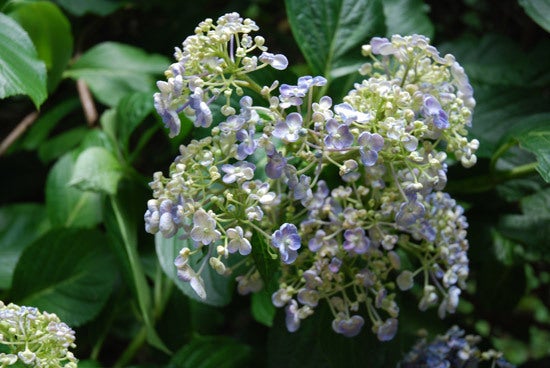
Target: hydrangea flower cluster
point(453, 349)
point(340, 193)
point(34, 339)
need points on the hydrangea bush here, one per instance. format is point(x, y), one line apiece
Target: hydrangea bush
point(348, 196)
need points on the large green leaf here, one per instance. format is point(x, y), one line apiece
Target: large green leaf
point(113, 70)
point(326, 30)
point(21, 72)
point(121, 222)
point(538, 142)
point(130, 112)
point(20, 225)
point(539, 11)
point(262, 308)
point(406, 17)
point(211, 352)
point(58, 145)
point(264, 262)
point(531, 227)
point(42, 127)
point(99, 7)
point(69, 272)
point(219, 289)
point(96, 170)
point(68, 206)
point(50, 32)
point(501, 111)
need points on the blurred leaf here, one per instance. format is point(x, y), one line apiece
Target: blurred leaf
point(500, 61)
point(68, 206)
point(532, 227)
point(113, 70)
point(407, 17)
point(263, 309)
point(316, 345)
point(219, 289)
point(68, 272)
point(96, 170)
point(124, 227)
point(57, 146)
point(40, 130)
point(21, 72)
point(98, 7)
point(50, 32)
point(515, 110)
point(326, 30)
point(538, 142)
point(539, 11)
point(130, 112)
point(211, 352)
point(20, 225)
point(266, 265)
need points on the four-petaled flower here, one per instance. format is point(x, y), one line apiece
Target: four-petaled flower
point(348, 326)
point(287, 241)
point(339, 137)
point(204, 228)
point(289, 129)
point(237, 241)
point(369, 146)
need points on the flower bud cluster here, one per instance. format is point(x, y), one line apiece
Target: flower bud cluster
point(212, 62)
point(453, 349)
point(340, 193)
point(34, 339)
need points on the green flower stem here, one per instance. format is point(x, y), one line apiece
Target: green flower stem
point(498, 154)
point(484, 183)
point(136, 343)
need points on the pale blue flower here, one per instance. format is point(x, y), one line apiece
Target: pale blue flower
point(239, 172)
point(277, 61)
point(248, 144)
point(287, 241)
point(204, 228)
point(238, 242)
point(369, 146)
point(356, 241)
point(289, 129)
point(339, 137)
point(349, 115)
point(169, 117)
point(432, 110)
point(348, 326)
point(292, 316)
point(387, 330)
point(276, 162)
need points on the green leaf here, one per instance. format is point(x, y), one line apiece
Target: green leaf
point(219, 289)
point(50, 32)
point(68, 272)
point(211, 352)
point(264, 262)
point(326, 30)
point(316, 345)
point(263, 309)
point(113, 70)
point(98, 7)
point(20, 225)
point(21, 72)
point(96, 170)
point(407, 17)
point(42, 127)
point(122, 226)
point(538, 142)
point(68, 206)
point(531, 227)
point(57, 146)
point(515, 110)
point(130, 112)
point(539, 11)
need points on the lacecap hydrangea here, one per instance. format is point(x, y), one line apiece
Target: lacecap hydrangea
point(338, 192)
point(32, 338)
